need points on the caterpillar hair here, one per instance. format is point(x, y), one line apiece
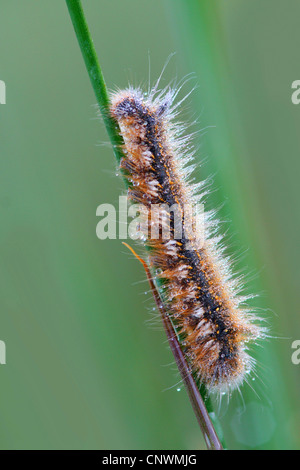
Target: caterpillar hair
point(202, 296)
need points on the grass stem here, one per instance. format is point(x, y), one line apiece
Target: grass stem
point(203, 415)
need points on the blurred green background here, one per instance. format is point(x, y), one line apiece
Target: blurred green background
point(87, 367)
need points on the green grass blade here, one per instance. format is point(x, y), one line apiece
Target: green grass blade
point(100, 89)
point(95, 73)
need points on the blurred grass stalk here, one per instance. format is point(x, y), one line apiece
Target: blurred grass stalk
point(205, 415)
point(197, 27)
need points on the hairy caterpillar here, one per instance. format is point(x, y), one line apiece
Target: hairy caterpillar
point(199, 290)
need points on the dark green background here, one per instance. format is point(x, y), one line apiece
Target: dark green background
point(87, 367)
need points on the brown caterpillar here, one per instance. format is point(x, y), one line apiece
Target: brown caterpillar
point(198, 288)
